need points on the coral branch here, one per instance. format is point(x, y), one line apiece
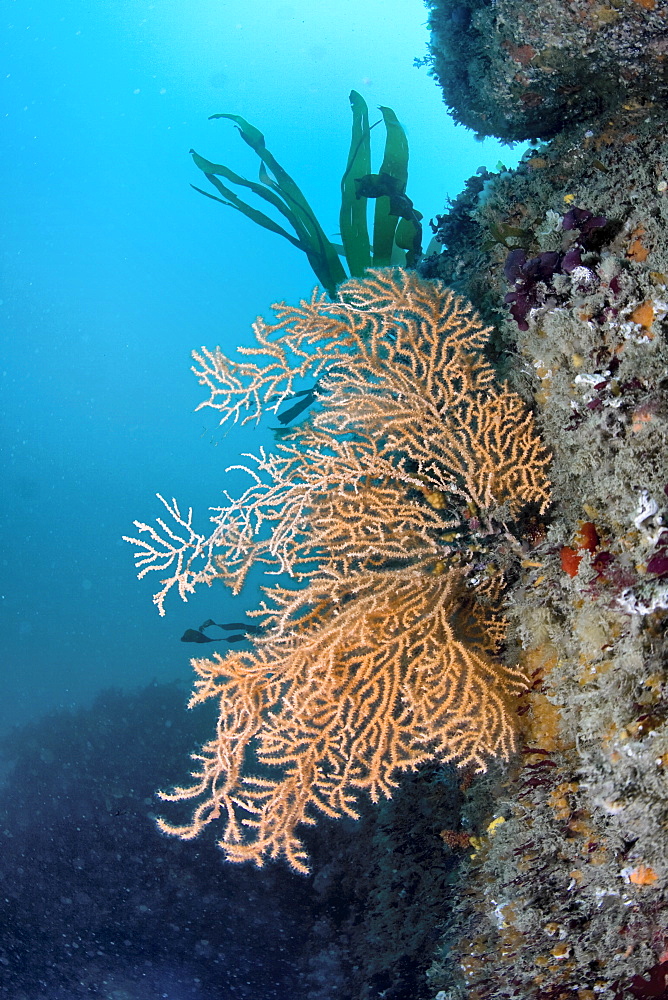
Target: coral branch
point(381, 654)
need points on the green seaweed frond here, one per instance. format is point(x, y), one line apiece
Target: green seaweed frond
point(397, 230)
point(510, 237)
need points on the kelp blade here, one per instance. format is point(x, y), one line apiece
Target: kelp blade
point(408, 237)
point(321, 253)
point(395, 163)
point(353, 214)
point(232, 200)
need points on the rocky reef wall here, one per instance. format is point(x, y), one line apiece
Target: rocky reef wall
point(564, 887)
point(521, 71)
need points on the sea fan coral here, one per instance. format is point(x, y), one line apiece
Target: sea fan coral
point(381, 653)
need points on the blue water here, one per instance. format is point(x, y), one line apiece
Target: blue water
point(114, 269)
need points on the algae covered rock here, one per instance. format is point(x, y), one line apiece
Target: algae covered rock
point(565, 896)
point(520, 71)
point(568, 257)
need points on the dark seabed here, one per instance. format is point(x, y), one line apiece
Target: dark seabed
point(94, 901)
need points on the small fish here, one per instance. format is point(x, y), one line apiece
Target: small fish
point(297, 408)
point(378, 185)
point(192, 635)
point(247, 627)
point(308, 396)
